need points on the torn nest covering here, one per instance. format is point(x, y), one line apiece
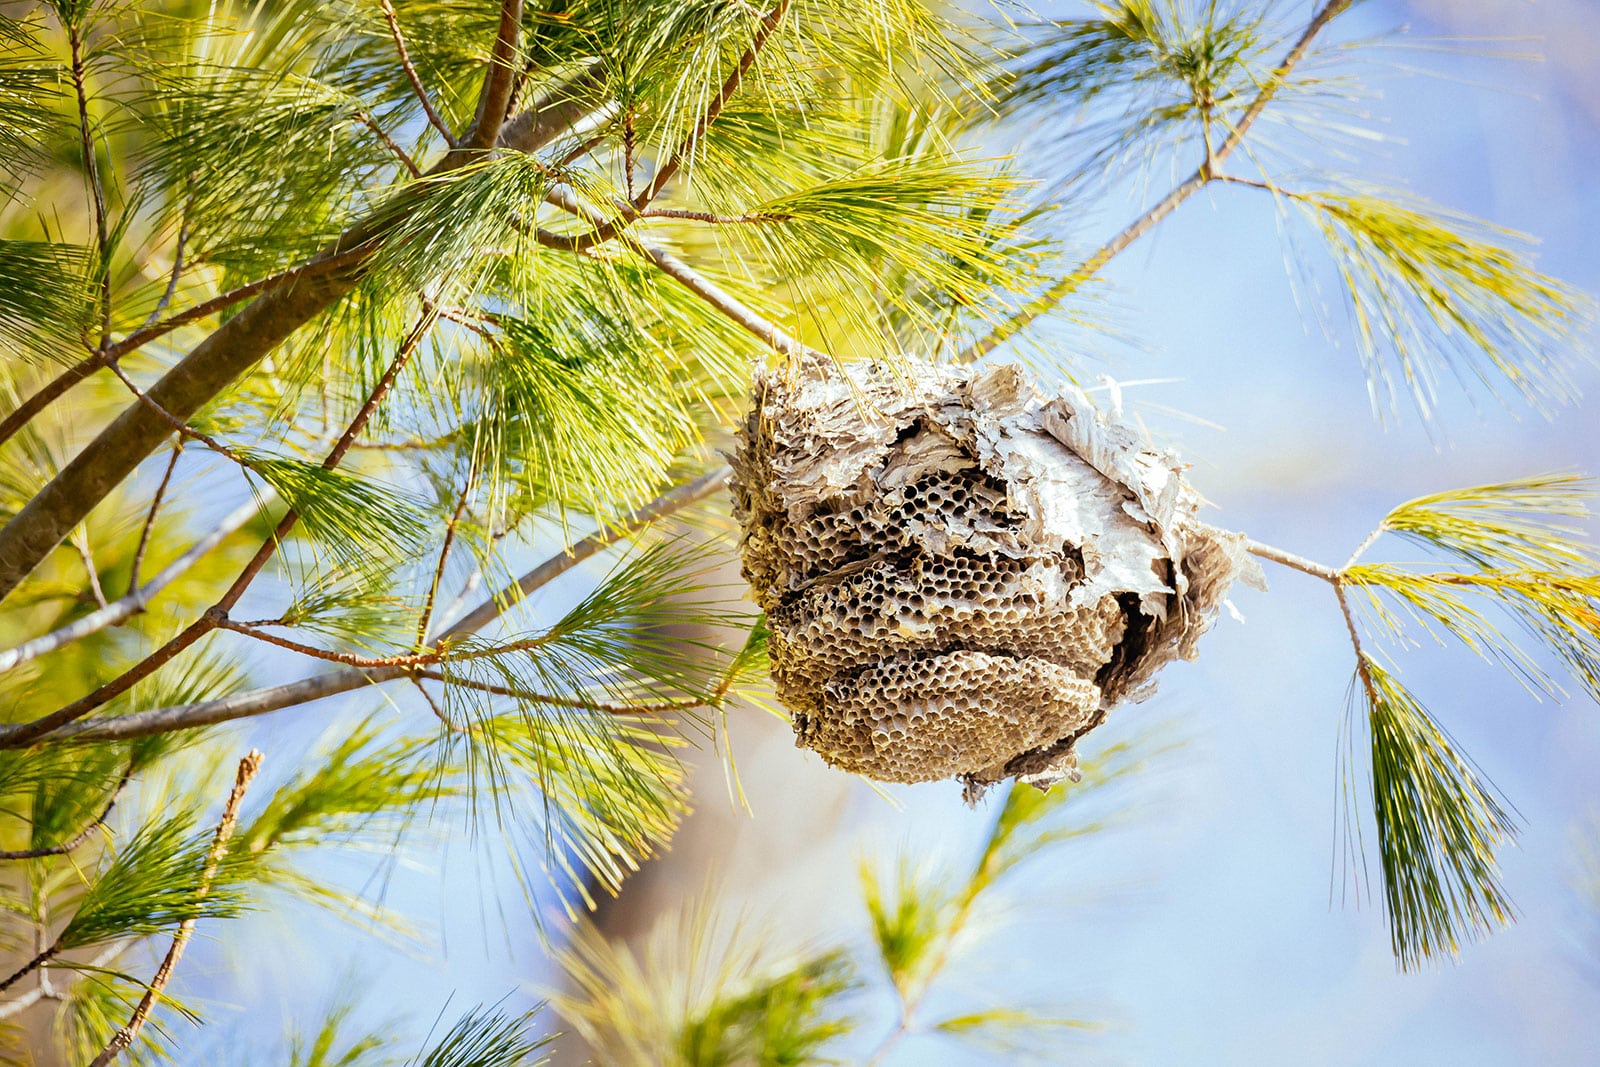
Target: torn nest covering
point(962, 574)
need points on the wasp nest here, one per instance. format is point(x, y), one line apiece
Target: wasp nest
point(961, 574)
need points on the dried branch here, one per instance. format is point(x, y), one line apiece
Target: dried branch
point(1206, 173)
point(248, 766)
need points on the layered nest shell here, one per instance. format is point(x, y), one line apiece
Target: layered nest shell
point(962, 574)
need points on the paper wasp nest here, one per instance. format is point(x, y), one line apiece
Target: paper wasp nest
point(963, 575)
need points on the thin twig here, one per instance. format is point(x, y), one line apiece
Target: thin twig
point(603, 706)
point(1361, 549)
point(306, 690)
point(1363, 668)
point(666, 504)
point(80, 542)
point(395, 150)
point(43, 991)
point(495, 99)
point(351, 659)
point(134, 602)
point(183, 429)
point(1205, 174)
point(438, 712)
point(150, 516)
point(426, 618)
point(1289, 559)
point(1336, 579)
point(39, 959)
point(173, 276)
point(707, 216)
point(769, 333)
point(81, 836)
point(411, 74)
point(335, 456)
point(91, 167)
point(248, 766)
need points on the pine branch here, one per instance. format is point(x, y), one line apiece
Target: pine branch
point(274, 698)
point(1204, 175)
point(411, 74)
point(229, 351)
point(150, 518)
point(606, 230)
point(81, 836)
point(768, 333)
point(248, 766)
point(21, 1003)
point(217, 614)
point(426, 618)
point(497, 80)
point(165, 300)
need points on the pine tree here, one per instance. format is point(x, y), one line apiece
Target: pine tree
point(344, 328)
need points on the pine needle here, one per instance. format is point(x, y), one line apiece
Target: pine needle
point(1434, 294)
point(1439, 825)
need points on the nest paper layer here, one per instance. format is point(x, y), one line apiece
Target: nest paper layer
point(961, 574)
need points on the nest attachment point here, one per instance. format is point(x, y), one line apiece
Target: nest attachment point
point(961, 573)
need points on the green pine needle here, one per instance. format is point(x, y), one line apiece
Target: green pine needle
point(1138, 73)
point(353, 518)
point(1435, 294)
point(1526, 554)
point(487, 1037)
point(1529, 523)
point(362, 786)
point(695, 994)
point(44, 298)
point(1439, 825)
point(153, 884)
